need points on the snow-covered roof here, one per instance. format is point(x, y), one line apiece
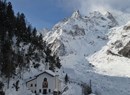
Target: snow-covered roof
point(30, 79)
point(55, 89)
point(49, 72)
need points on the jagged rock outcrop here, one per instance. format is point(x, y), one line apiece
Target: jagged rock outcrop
point(126, 50)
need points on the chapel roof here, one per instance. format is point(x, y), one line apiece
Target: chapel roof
point(49, 72)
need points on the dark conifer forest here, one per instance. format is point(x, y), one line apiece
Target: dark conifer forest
point(21, 44)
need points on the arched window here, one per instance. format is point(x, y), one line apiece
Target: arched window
point(45, 83)
point(45, 79)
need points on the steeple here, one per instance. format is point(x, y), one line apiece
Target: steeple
point(47, 66)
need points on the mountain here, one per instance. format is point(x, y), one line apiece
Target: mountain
point(79, 28)
point(96, 48)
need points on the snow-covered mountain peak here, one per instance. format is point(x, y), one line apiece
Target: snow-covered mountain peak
point(95, 14)
point(121, 17)
point(76, 14)
point(111, 17)
point(95, 19)
point(83, 29)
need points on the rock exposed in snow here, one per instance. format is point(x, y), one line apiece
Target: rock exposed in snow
point(76, 14)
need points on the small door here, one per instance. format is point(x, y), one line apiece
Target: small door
point(44, 91)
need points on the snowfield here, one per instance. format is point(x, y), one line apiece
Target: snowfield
point(88, 48)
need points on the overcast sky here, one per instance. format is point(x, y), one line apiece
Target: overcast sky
point(46, 13)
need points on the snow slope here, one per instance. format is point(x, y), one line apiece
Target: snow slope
point(119, 38)
point(88, 48)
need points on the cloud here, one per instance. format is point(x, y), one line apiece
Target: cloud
point(86, 6)
point(69, 5)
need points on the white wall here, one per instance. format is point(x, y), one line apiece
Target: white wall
point(33, 88)
point(58, 83)
point(50, 79)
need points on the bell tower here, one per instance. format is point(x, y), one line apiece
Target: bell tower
point(47, 66)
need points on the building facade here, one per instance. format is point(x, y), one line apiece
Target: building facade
point(45, 83)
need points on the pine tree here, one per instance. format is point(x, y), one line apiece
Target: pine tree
point(58, 64)
point(1, 88)
point(8, 68)
point(10, 20)
point(16, 85)
point(29, 30)
point(66, 79)
point(40, 42)
point(34, 32)
point(1, 85)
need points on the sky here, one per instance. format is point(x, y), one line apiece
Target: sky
point(42, 13)
point(46, 13)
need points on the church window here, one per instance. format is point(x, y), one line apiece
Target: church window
point(45, 83)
